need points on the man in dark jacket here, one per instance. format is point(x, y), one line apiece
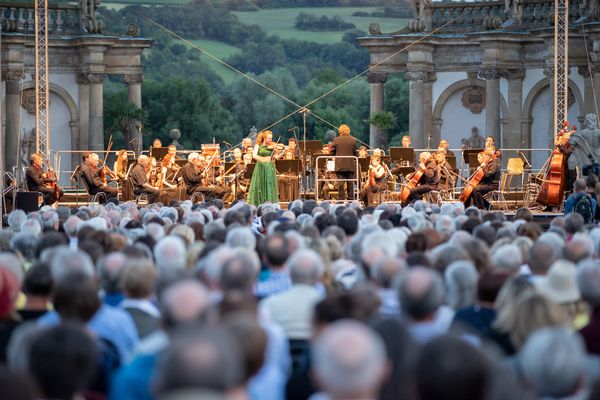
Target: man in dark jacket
point(345, 168)
point(37, 180)
point(492, 169)
point(140, 180)
point(91, 174)
point(429, 180)
point(196, 182)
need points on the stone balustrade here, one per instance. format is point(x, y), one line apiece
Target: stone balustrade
point(20, 18)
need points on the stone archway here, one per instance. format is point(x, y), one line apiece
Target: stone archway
point(451, 90)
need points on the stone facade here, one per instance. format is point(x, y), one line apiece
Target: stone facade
point(80, 57)
point(502, 49)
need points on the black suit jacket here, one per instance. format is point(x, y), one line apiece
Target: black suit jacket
point(492, 171)
point(344, 146)
point(191, 176)
point(35, 181)
point(92, 177)
point(138, 178)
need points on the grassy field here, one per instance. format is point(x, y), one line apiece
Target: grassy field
point(220, 50)
point(281, 22)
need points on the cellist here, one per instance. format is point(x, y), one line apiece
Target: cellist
point(491, 167)
point(429, 180)
point(38, 181)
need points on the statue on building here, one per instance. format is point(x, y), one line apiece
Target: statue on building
point(175, 135)
point(28, 146)
point(586, 147)
point(474, 141)
point(87, 16)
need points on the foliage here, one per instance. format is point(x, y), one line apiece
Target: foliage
point(120, 117)
point(310, 22)
point(383, 119)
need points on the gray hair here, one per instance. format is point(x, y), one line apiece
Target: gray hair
point(110, 270)
point(64, 260)
point(588, 280)
point(24, 243)
point(444, 225)
point(31, 226)
point(461, 284)
point(507, 257)
point(170, 254)
point(594, 236)
point(184, 302)
point(16, 219)
point(156, 231)
point(553, 240)
point(305, 266)
point(170, 213)
point(553, 361)
point(12, 263)
point(421, 292)
point(50, 219)
point(380, 240)
point(348, 358)
point(211, 265)
point(384, 270)
point(241, 237)
point(444, 254)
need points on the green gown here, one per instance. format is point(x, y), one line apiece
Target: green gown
point(263, 187)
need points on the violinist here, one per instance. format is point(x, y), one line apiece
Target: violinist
point(293, 148)
point(429, 179)
point(38, 181)
point(444, 170)
point(195, 175)
point(93, 177)
point(378, 176)
point(139, 178)
point(491, 167)
point(169, 170)
point(120, 167)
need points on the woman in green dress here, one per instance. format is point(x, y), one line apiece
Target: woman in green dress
point(263, 187)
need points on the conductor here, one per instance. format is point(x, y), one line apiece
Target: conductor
point(345, 168)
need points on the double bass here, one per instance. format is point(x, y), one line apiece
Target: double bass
point(475, 179)
point(553, 186)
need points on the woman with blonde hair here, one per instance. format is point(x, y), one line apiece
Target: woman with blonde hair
point(263, 187)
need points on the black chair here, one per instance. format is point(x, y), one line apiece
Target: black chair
point(93, 198)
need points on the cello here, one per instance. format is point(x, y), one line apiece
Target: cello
point(54, 184)
point(412, 182)
point(475, 179)
point(553, 186)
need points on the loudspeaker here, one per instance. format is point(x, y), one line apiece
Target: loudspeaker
point(29, 201)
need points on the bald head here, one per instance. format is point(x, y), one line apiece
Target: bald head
point(421, 293)
point(184, 303)
point(350, 360)
point(385, 270)
point(305, 267)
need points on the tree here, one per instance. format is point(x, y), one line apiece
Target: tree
point(128, 119)
point(383, 120)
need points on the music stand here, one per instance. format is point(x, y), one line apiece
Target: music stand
point(287, 166)
point(472, 160)
point(249, 171)
point(310, 147)
point(181, 162)
point(401, 154)
point(466, 153)
point(158, 152)
point(364, 163)
point(451, 158)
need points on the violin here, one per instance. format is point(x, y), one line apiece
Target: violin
point(475, 179)
point(105, 172)
point(54, 185)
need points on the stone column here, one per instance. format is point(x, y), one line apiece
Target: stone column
point(588, 90)
point(377, 80)
point(84, 112)
point(416, 111)
point(96, 130)
point(134, 95)
point(596, 83)
point(134, 88)
point(514, 138)
point(431, 140)
point(13, 111)
point(492, 102)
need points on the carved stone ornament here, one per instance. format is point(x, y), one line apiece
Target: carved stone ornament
point(584, 71)
point(28, 100)
point(416, 75)
point(376, 77)
point(491, 73)
point(473, 99)
point(133, 79)
point(86, 78)
point(14, 75)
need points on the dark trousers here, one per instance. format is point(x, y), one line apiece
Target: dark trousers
point(111, 192)
point(152, 193)
point(419, 191)
point(220, 192)
point(476, 196)
point(367, 194)
point(48, 194)
point(350, 184)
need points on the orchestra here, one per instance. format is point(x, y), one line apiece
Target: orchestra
point(164, 178)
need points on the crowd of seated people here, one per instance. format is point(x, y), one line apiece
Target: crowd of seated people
point(315, 301)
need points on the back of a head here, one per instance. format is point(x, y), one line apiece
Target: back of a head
point(201, 358)
point(238, 273)
point(170, 254)
point(110, 270)
point(541, 257)
point(507, 257)
point(65, 260)
point(533, 311)
point(578, 248)
point(306, 267)
point(553, 362)
point(349, 359)
point(450, 368)
point(62, 360)
point(241, 237)
point(588, 280)
point(461, 283)
point(421, 293)
point(489, 284)
point(276, 250)
point(348, 221)
point(183, 303)
point(38, 280)
point(76, 296)
point(385, 270)
point(580, 185)
point(139, 279)
point(252, 340)
point(574, 223)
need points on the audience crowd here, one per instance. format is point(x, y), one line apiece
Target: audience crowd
point(319, 301)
